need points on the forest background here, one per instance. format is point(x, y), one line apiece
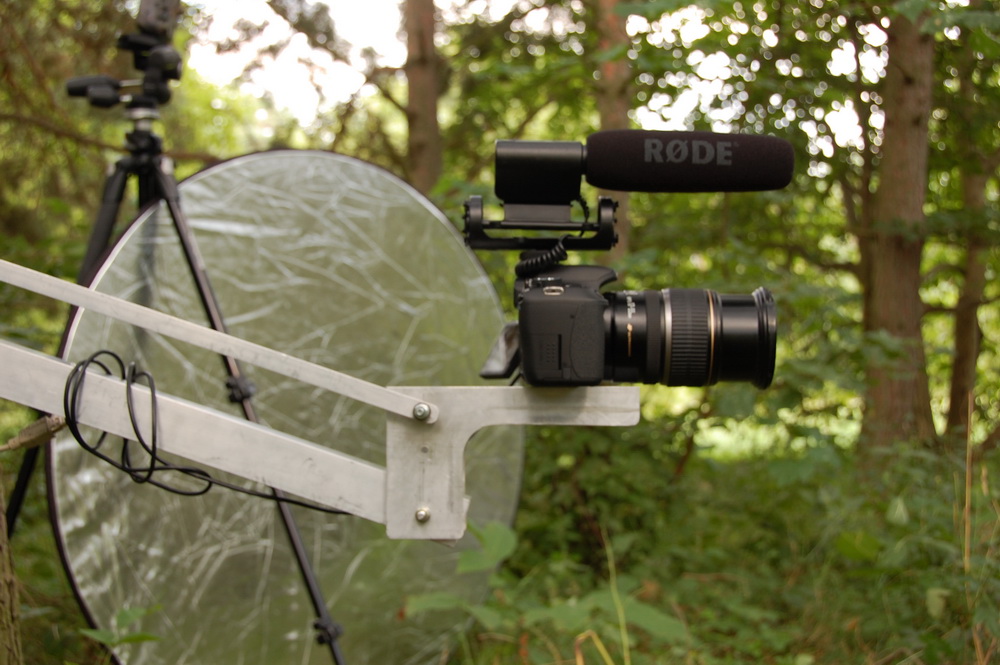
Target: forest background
point(849, 513)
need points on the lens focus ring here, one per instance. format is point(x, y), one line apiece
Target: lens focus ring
point(688, 337)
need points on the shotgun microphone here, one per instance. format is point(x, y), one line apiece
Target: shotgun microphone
point(636, 160)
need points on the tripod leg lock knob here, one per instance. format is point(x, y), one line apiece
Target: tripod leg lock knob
point(240, 389)
point(327, 631)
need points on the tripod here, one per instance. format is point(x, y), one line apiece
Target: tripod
point(153, 172)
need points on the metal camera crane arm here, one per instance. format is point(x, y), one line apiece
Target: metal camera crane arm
point(419, 494)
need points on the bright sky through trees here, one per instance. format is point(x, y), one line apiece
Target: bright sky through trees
point(376, 25)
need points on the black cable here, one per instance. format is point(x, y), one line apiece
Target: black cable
point(533, 263)
point(157, 465)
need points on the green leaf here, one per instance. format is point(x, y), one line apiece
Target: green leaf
point(57, 206)
point(126, 617)
point(937, 601)
point(490, 619)
point(497, 542)
point(601, 599)
point(570, 617)
point(912, 9)
point(897, 512)
point(105, 637)
point(658, 624)
point(437, 600)
point(136, 638)
point(969, 19)
point(639, 614)
point(858, 545)
point(656, 8)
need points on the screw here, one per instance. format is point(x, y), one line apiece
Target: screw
point(422, 515)
point(421, 411)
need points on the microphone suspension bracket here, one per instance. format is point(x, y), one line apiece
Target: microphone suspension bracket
point(534, 217)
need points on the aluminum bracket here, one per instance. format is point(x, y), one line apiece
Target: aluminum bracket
point(420, 494)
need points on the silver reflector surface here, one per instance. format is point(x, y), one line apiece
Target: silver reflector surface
point(332, 260)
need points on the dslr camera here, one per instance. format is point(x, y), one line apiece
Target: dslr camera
point(569, 331)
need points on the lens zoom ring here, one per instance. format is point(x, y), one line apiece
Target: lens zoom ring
point(689, 337)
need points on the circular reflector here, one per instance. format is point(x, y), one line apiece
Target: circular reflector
point(335, 261)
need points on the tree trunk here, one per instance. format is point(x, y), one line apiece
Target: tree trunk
point(10, 620)
point(898, 400)
point(424, 73)
point(975, 167)
point(614, 98)
point(967, 331)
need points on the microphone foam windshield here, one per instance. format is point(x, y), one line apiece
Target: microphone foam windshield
point(634, 160)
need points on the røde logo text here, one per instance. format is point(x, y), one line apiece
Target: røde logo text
point(680, 151)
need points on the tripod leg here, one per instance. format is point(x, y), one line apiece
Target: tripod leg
point(327, 630)
point(100, 239)
point(107, 215)
point(20, 491)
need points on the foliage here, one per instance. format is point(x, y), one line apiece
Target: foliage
point(799, 557)
point(799, 71)
point(50, 616)
point(120, 635)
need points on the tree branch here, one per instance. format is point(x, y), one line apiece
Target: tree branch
point(57, 130)
point(375, 78)
point(90, 142)
point(313, 20)
point(802, 252)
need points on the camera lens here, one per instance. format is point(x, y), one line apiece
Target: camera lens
point(690, 337)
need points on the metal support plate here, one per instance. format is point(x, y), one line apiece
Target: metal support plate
point(425, 482)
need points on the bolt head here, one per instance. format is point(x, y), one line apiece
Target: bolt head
point(421, 411)
point(422, 515)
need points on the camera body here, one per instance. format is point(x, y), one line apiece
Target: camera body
point(569, 333)
point(561, 324)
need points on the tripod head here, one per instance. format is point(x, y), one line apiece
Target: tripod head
point(159, 63)
point(152, 54)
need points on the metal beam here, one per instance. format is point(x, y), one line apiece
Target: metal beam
point(206, 338)
point(202, 435)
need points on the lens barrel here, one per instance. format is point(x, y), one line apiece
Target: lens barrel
point(690, 337)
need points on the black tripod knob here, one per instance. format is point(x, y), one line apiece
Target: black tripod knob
point(101, 91)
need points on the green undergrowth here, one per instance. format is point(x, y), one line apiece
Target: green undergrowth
point(51, 620)
point(795, 558)
point(626, 552)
